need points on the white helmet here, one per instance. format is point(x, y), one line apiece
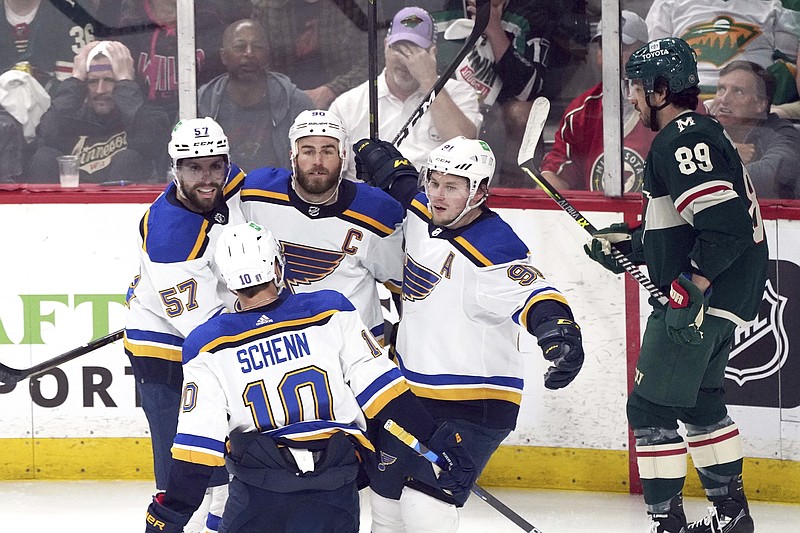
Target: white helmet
point(246, 255)
point(318, 122)
point(197, 137)
point(472, 159)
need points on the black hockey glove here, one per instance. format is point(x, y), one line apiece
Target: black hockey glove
point(458, 469)
point(161, 519)
point(686, 310)
point(561, 343)
point(380, 164)
point(600, 247)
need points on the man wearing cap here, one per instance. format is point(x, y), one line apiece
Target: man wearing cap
point(410, 72)
point(576, 159)
point(100, 115)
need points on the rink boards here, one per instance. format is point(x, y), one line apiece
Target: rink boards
point(70, 258)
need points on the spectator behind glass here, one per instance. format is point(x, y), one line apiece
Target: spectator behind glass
point(721, 31)
point(313, 42)
point(520, 42)
point(39, 34)
point(100, 115)
point(254, 106)
point(12, 143)
point(155, 52)
point(768, 145)
point(23, 101)
point(410, 73)
point(576, 159)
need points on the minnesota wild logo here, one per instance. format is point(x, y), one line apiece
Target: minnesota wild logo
point(411, 21)
point(720, 40)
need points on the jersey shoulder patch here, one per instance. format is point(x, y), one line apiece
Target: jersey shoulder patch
point(490, 241)
point(419, 207)
point(171, 234)
point(375, 210)
point(267, 184)
point(320, 301)
point(296, 311)
point(234, 183)
point(214, 329)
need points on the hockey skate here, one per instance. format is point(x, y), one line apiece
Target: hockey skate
point(731, 515)
point(672, 521)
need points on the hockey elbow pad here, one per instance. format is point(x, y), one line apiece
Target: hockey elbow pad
point(562, 344)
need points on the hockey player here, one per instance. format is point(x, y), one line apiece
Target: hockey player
point(464, 265)
point(178, 286)
point(335, 234)
point(290, 380)
point(702, 230)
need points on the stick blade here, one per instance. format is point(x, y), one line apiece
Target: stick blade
point(533, 129)
point(9, 376)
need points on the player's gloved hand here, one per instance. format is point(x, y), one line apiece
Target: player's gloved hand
point(600, 247)
point(561, 343)
point(458, 469)
point(380, 164)
point(686, 311)
point(161, 519)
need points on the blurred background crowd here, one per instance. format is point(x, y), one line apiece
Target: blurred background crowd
point(99, 79)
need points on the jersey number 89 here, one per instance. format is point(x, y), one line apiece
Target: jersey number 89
point(686, 159)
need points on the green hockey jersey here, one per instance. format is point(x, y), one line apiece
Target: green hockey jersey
point(701, 213)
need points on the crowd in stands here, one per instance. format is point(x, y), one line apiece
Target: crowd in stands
point(99, 79)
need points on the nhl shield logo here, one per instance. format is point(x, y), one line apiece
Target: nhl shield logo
point(764, 360)
point(767, 335)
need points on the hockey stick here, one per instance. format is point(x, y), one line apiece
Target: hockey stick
point(481, 21)
point(410, 440)
point(533, 132)
point(13, 375)
point(372, 50)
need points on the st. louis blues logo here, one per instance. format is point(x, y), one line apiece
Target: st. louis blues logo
point(768, 332)
point(386, 460)
point(418, 281)
point(306, 265)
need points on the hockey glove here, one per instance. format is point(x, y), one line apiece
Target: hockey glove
point(380, 164)
point(561, 343)
point(458, 469)
point(161, 519)
point(600, 247)
point(686, 310)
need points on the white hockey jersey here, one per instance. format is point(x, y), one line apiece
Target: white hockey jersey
point(301, 368)
point(465, 294)
point(178, 287)
point(346, 246)
point(721, 31)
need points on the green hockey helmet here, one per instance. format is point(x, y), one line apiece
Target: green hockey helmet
point(669, 58)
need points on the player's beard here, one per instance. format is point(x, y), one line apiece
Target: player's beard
point(318, 184)
point(196, 200)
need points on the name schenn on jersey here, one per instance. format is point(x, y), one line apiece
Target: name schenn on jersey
point(268, 352)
